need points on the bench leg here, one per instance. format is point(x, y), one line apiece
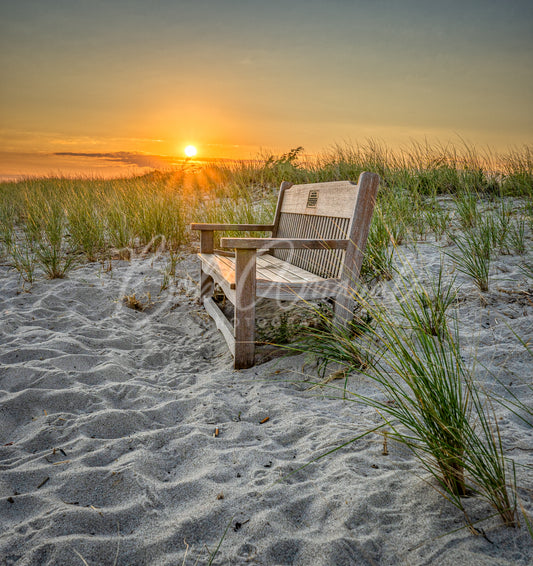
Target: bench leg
point(207, 285)
point(244, 309)
point(344, 308)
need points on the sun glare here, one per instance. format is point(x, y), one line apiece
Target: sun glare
point(190, 151)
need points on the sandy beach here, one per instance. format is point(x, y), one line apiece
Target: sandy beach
point(386, 148)
point(109, 453)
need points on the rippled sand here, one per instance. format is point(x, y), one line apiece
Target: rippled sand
point(108, 453)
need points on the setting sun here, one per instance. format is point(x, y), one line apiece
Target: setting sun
point(190, 151)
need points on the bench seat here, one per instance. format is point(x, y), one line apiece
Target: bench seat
point(275, 278)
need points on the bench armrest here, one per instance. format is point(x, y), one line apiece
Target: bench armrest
point(235, 227)
point(287, 243)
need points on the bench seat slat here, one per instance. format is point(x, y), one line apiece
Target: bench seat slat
point(285, 273)
point(269, 269)
point(294, 273)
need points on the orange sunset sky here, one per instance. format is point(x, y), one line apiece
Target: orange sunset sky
point(116, 86)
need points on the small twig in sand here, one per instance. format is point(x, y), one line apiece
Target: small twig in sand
point(478, 532)
point(81, 557)
point(43, 482)
point(339, 374)
point(186, 551)
point(118, 544)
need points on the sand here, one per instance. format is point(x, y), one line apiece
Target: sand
point(108, 453)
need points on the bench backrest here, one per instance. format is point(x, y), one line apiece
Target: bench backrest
point(334, 210)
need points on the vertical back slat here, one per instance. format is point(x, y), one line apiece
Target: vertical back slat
point(326, 263)
point(319, 210)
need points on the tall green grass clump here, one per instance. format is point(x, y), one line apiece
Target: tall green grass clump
point(330, 342)
point(517, 236)
point(16, 249)
point(428, 397)
point(422, 168)
point(502, 219)
point(378, 260)
point(427, 305)
point(120, 232)
point(474, 253)
point(397, 210)
point(467, 209)
point(146, 212)
point(517, 172)
point(7, 229)
point(45, 231)
point(22, 258)
point(158, 218)
point(86, 224)
point(438, 220)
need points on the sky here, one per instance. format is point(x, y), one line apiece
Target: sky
point(118, 85)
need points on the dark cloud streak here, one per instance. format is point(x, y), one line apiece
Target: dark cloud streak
point(128, 158)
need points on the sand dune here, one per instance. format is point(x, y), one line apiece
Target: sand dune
point(108, 453)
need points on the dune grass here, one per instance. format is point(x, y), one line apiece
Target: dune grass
point(49, 225)
point(430, 401)
point(474, 254)
point(58, 222)
point(425, 392)
point(155, 209)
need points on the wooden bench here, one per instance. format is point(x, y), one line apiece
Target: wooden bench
point(316, 250)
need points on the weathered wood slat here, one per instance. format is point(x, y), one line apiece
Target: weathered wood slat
point(291, 272)
point(221, 265)
point(285, 186)
point(224, 277)
point(244, 320)
point(234, 227)
point(206, 281)
point(206, 241)
point(359, 229)
point(268, 272)
point(222, 323)
point(304, 226)
point(298, 291)
point(269, 269)
point(288, 243)
point(333, 199)
point(284, 272)
point(275, 279)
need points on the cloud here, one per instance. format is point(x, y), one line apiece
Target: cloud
point(126, 158)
